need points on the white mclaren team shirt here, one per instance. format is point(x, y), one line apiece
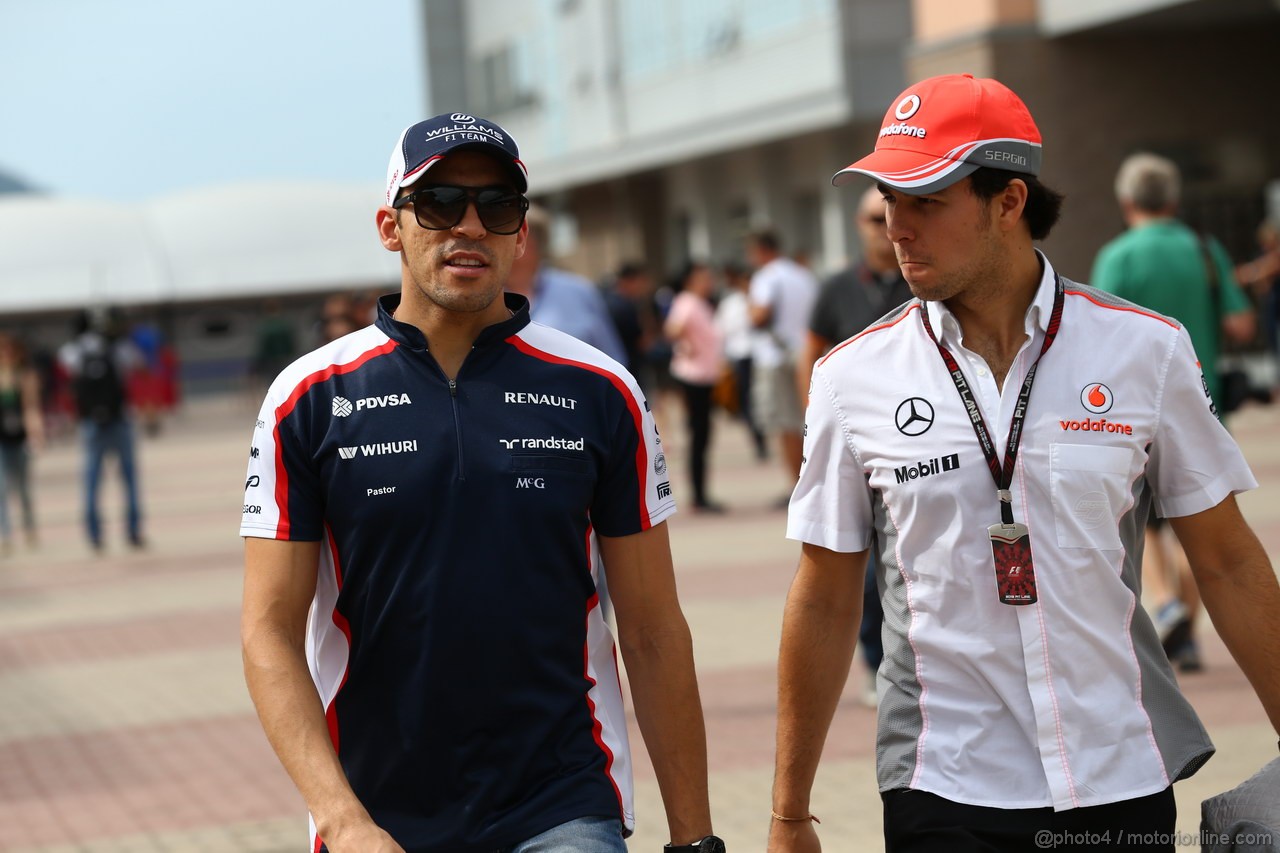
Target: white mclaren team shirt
point(1070, 701)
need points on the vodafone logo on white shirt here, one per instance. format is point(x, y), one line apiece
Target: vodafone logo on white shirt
point(1097, 398)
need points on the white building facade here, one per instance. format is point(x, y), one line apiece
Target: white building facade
point(664, 130)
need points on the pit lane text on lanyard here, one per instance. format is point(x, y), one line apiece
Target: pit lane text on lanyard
point(1010, 540)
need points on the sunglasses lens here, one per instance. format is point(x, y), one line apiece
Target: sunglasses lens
point(500, 211)
point(440, 207)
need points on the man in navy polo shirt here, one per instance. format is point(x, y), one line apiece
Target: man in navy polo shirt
point(428, 506)
point(999, 441)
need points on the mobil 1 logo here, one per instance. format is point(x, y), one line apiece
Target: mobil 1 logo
point(927, 468)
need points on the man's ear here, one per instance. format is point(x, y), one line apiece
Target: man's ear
point(522, 239)
point(389, 229)
point(1010, 203)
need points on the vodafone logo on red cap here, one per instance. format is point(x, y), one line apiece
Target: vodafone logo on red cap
point(907, 107)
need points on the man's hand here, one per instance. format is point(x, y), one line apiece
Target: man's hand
point(793, 836)
point(364, 837)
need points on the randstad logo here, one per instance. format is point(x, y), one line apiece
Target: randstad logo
point(550, 443)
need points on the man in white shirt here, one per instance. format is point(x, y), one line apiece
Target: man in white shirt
point(1024, 695)
point(781, 296)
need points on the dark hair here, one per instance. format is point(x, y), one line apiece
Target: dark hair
point(767, 239)
point(687, 269)
point(1044, 205)
point(630, 269)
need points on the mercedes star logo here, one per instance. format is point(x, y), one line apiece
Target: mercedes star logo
point(914, 416)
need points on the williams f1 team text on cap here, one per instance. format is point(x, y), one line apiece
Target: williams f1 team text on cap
point(943, 129)
point(429, 141)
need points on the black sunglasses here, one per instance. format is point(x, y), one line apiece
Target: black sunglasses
point(442, 207)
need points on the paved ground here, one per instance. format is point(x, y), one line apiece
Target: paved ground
point(125, 725)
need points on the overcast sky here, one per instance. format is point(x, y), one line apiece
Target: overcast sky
point(129, 99)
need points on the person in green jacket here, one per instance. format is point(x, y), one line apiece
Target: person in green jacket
point(1163, 265)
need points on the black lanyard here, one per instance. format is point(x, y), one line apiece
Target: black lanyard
point(1002, 474)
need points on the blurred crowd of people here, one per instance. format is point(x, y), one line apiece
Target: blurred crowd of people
point(734, 338)
point(110, 375)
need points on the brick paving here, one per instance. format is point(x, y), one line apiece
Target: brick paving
point(125, 724)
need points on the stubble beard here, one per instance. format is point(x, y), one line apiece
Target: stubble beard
point(981, 274)
point(438, 286)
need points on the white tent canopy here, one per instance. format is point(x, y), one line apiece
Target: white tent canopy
point(247, 240)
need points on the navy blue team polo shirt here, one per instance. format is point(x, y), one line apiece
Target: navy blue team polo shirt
point(456, 639)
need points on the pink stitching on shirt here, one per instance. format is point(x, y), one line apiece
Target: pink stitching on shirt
point(1133, 655)
point(1057, 714)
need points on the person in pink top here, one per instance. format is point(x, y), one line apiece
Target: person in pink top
point(696, 364)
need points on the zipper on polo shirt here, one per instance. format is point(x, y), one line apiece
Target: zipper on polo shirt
point(457, 426)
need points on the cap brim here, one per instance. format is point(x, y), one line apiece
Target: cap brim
point(907, 171)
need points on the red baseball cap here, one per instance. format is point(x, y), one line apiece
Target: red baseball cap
point(943, 129)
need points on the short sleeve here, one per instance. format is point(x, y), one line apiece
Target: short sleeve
point(831, 504)
point(282, 494)
point(678, 315)
point(1194, 464)
point(634, 489)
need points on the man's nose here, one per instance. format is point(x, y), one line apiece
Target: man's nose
point(470, 224)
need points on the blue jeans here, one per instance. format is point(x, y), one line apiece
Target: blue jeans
point(583, 835)
point(15, 482)
point(99, 440)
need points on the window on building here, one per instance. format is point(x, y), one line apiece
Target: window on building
point(663, 35)
point(503, 80)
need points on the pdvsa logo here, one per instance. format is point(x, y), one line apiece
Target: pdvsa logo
point(342, 407)
point(1097, 398)
point(380, 402)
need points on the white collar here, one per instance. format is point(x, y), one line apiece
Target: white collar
point(1037, 317)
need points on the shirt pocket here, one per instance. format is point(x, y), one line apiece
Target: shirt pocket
point(553, 485)
point(1091, 487)
point(548, 464)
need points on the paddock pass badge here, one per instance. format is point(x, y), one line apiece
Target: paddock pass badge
point(1015, 571)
